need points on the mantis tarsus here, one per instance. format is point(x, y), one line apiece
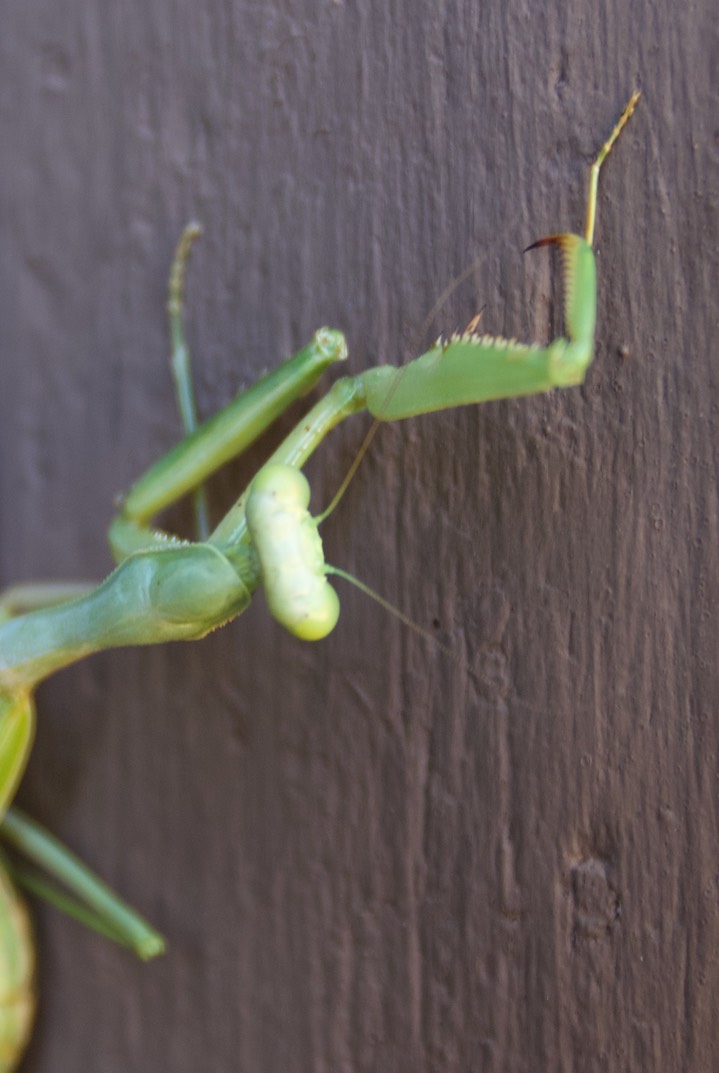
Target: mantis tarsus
point(166, 589)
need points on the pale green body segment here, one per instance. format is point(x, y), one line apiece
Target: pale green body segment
point(290, 551)
point(17, 975)
point(165, 589)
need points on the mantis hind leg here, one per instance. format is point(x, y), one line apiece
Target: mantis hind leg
point(54, 873)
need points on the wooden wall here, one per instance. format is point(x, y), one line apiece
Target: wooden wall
point(364, 858)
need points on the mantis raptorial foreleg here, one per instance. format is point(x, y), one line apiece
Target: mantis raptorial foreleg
point(166, 589)
point(218, 440)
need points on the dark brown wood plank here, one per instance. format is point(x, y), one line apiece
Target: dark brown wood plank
point(363, 857)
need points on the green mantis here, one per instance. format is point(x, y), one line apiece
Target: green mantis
point(167, 589)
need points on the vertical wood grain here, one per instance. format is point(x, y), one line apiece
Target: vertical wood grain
point(364, 858)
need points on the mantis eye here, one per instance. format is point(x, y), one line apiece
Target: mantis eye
point(289, 548)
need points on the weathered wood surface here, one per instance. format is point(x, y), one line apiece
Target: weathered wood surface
point(363, 858)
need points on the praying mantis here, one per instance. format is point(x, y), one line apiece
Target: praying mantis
point(167, 589)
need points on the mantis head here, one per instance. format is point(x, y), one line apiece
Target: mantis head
point(289, 548)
